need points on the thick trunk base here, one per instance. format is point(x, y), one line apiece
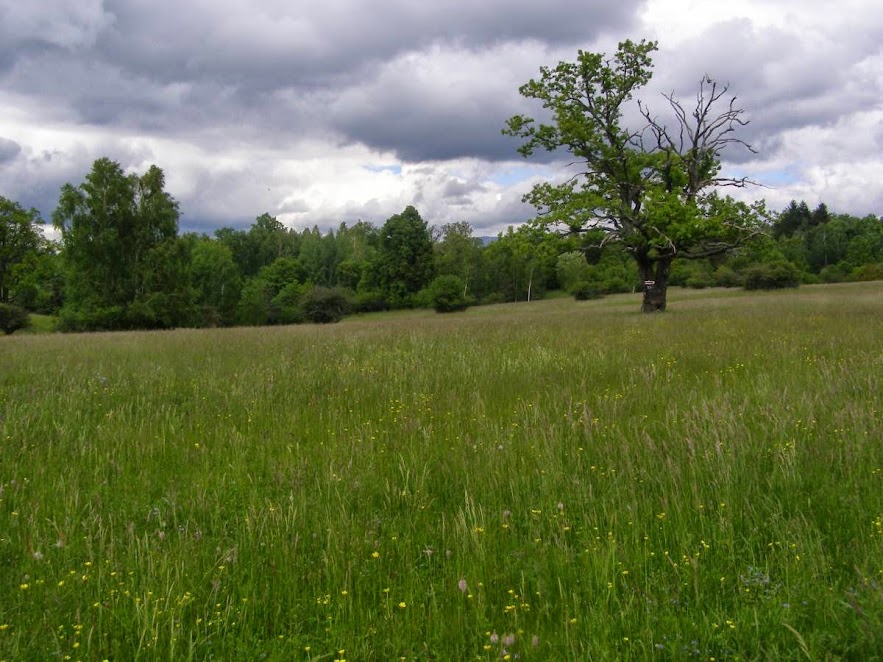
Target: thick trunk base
point(655, 275)
point(654, 300)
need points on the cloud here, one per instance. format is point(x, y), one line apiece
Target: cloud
point(445, 103)
point(238, 101)
point(9, 150)
point(282, 43)
point(40, 24)
point(283, 65)
point(786, 80)
point(340, 110)
point(810, 80)
point(791, 73)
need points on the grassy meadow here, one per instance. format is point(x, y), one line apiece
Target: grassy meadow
point(544, 481)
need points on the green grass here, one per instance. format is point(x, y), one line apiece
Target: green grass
point(553, 480)
point(39, 324)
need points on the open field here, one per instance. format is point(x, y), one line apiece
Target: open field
point(551, 481)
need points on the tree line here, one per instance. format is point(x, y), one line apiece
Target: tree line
point(122, 264)
point(644, 210)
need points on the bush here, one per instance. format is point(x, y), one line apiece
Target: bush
point(695, 274)
point(834, 273)
point(157, 310)
point(771, 275)
point(448, 294)
point(324, 305)
point(94, 319)
point(370, 301)
point(584, 290)
point(492, 298)
point(209, 317)
point(700, 280)
point(13, 318)
point(572, 269)
point(616, 285)
point(867, 272)
point(725, 276)
point(679, 272)
point(422, 299)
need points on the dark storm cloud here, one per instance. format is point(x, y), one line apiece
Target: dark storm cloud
point(9, 149)
point(417, 130)
point(442, 104)
point(282, 43)
point(165, 67)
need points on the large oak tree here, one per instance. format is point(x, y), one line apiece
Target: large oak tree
point(651, 187)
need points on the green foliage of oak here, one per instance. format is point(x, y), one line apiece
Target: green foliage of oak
point(653, 189)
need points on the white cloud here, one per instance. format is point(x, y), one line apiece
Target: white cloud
point(811, 80)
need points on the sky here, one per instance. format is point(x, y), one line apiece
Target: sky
point(344, 110)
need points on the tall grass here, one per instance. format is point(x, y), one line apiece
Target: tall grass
point(549, 481)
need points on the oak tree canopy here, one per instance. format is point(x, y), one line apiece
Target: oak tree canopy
point(653, 187)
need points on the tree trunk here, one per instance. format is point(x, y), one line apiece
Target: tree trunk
point(655, 276)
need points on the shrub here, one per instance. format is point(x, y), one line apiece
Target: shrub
point(370, 301)
point(700, 280)
point(110, 318)
point(448, 294)
point(209, 317)
point(157, 310)
point(13, 318)
point(771, 275)
point(616, 285)
point(867, 272)
point(584, 290)
point(834, 273)
point(421, 299)
point(725, 276)
point(324, 305)
point(679, 272)
point(492, 298)
point(572, 269)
